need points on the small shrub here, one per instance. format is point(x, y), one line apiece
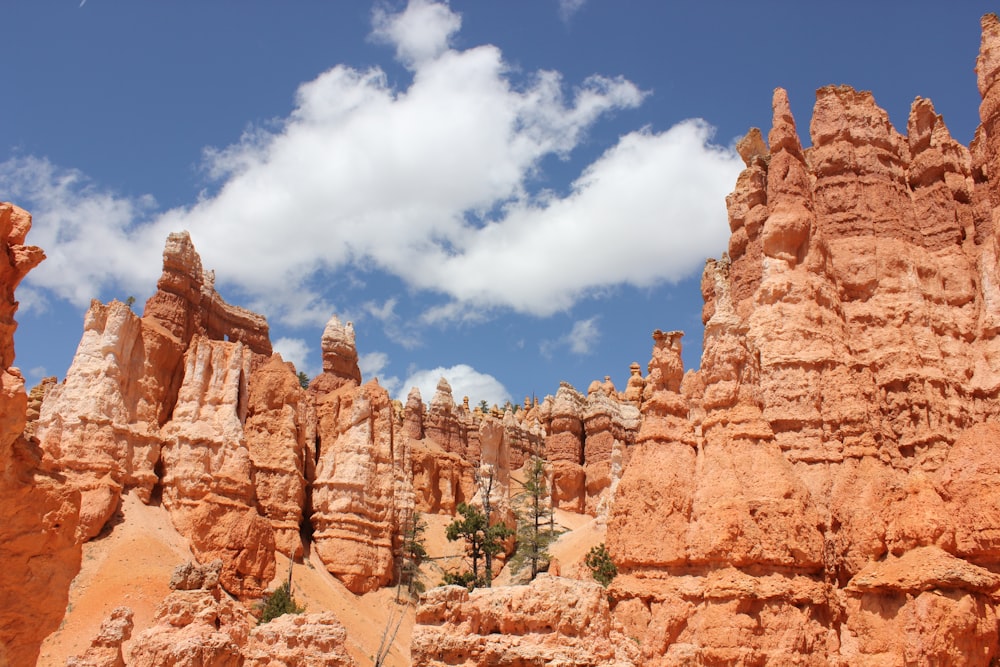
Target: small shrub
point(467, 579)
point(278, 603)
point(601, 566)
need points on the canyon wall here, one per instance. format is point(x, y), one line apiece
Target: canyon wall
point(824, 490)
point(831, 502)
point(39, 512)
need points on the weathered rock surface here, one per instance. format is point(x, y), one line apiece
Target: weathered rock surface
point(299, 640)
point(363, 485)
point(199, 627)
point(552, 621)
point(39, 512)
point(106, 648)
point(159, 404)
point(809, 495)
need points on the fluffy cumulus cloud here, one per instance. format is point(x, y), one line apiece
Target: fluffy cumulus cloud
point(432, 184)
point(581, 339)
point(464, 381)
point(372, 364)
point(296, 351)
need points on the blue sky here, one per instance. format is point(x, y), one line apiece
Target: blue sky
point(508, 193)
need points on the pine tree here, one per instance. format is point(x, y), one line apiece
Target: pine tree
point(482, 541)
point(535, 518)
point(412, 554)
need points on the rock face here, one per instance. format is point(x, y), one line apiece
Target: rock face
point(824, 490)
point(195, 626)
point(552, 621)
point(106, 648)
point(829, 499)
point(299, 640)
point(162, 405)
point(39, 513)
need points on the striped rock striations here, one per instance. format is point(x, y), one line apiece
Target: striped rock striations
point(39, 512)
point(842, 420)
point(160, 406)
point(824, 490)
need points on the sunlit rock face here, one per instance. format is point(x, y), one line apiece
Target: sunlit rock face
point(849, 374)
point(158, 406)
point(39, 512)
point(823, 490)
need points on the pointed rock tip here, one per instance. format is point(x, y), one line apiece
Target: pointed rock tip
point(783, 135)
point(751, 146)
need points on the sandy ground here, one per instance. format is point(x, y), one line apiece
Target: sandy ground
point(131, 565)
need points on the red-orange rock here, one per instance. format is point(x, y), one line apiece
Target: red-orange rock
point(299, 640)
point(106, 648)
point(39, 512)
point(550, 621)
point(828, 465)
point(201, 627)
point(280, 433)
point(363, 485)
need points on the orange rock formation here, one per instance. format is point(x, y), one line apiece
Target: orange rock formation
point(822, 491)
point(39, 512)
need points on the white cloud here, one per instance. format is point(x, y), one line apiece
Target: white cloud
point(431, 184)
point(581, 339)
point(372, 364)
point(569, 7)
point(464, 381)
point(88, 235)
point(421, 32)
point(295, 350)
point(584, 336)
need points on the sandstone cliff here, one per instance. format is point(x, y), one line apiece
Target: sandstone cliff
point(822, 490)
point(38, 510)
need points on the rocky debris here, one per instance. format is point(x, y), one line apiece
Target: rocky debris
point(552, 621)
point(299, 640)
point(192, 576)
point(200, 627)
point(39, 512)
point(106, 648)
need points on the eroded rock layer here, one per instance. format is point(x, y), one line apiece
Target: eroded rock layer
point(830, 502)
point(823, 491)
point(39, 512)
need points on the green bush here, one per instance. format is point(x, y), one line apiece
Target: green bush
point(278, 603)
point(601, 566)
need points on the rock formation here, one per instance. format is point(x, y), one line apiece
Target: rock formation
point(823, 490)
point(39, 512)
point(158, 405)
point(848, 365)
point(106, 648)
point(299, 640)
point(553, 621)
point(197, 625)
